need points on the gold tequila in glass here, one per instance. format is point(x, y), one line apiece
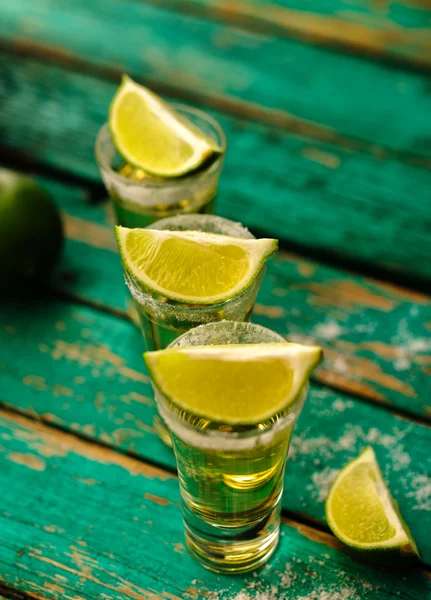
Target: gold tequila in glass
point(163, 320)
point(231, 477)
point(139, 199)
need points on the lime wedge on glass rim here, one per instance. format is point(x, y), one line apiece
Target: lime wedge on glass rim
point(236, 383)
point(192, 266)
point(151, 135)
point(361, 512)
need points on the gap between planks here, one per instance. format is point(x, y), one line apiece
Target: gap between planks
point(329, 382)
point(92, 233)
point(9, 593)
point(414, 286)
point(243, 109)
point(100, 236)
point(69, 297)
point(99, 452)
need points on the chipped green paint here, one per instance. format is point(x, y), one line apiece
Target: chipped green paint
point(299, 190)
point(398, 30)
point(268, 77)
point(98, 356)
point(108, 541)
point(374, 335)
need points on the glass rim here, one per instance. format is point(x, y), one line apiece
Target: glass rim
point(234, 325)
point(189, 310)
point(202, 217)
point(139, 294)
point(222, 440)
point(173, 182)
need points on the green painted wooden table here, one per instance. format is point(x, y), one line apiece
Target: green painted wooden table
point(326, 106)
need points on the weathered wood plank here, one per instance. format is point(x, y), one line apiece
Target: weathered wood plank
point(315, 195)
point(375, 336)
point(397, 31)
point(114, 531)
point(270, 78)
point(83, 371)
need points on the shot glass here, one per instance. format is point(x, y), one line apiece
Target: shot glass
point(162, 321)
point(231, 477)
point(139, 199)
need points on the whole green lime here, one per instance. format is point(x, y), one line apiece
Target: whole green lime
point(31, 232)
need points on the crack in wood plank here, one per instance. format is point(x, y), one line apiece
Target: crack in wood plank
point(242, 108)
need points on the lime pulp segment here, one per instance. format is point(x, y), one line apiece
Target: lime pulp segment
point(244, 383)
point(360, 509)
point(192, 266)
point(151, 135)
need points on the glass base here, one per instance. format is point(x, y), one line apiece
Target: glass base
point(232, 550)
point(162, 431)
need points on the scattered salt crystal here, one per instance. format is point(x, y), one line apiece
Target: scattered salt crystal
point(288, 577)
point(419, 345)
point(421, 493)
point(340, 365)
point(322, 482)
point(331, 594)
point(329, 330)
point(366, 327)
point(341, 405)
point(402, 364)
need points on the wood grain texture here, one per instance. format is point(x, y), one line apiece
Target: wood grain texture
point(224, 65)
point(83, 371)
point(375, 336)
point(349, 203)
point(93, 531)
point(393, 30)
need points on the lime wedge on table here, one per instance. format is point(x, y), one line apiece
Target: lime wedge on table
point(150, 135)
point(237, 383)
point(192, 266)
point(360, 510)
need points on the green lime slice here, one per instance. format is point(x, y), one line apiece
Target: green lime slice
point(150, 135)
point(192, 266)
point(360, 510)
point(237, 383)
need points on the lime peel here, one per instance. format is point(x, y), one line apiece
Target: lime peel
point(360, 487)
point(234, 383)
point(192, 267)
point(152, 136)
